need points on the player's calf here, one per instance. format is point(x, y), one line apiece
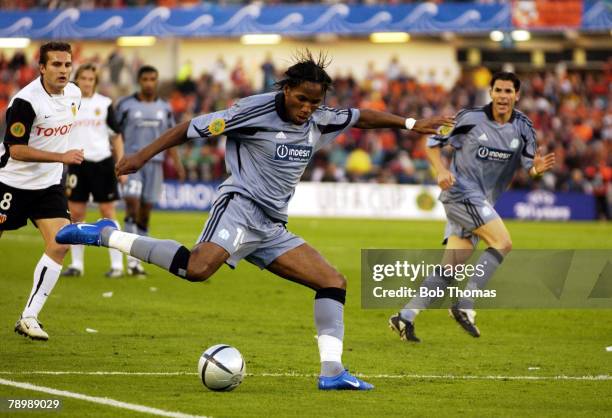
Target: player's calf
point(204, 260)
point(170, 255)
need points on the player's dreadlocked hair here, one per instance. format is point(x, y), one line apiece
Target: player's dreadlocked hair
point(307, 68)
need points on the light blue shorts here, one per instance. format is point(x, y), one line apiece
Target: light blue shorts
point(466, 216)
point(244, 230)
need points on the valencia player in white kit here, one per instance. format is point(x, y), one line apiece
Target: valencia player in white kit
point(94, 131)
point(39, 120)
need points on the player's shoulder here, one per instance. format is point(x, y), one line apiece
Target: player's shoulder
point(31, 93)
point(126, 101)
point(164, 104)
point(251, 107)
point(471, 113)
point(72, 90)
point(102, 99)
point(522, 119)
point(256, 100)
point(324, 114)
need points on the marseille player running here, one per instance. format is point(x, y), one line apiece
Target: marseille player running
point(490, 143)
point(96, 175)
point(39, 120)
point(270, 140)
point(141, 118)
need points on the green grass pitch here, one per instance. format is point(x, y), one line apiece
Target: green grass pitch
point(162, 324)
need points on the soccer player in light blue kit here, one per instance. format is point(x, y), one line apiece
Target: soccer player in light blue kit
point(490, 144)
point(270, 141)
point(142, 117)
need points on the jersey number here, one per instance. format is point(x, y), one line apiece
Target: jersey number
point(134, 187)
point(5, 203)
point(239, 237)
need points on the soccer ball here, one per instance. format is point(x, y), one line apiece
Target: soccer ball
point(221, 367)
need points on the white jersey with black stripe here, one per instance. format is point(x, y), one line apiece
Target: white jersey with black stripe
point(266, 153)
point(93, 127)
point(43, 121)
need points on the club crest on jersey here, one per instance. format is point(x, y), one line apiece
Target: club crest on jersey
point(514, 143)
point(290, 152)
point(97, 111)
point(492, 154)
point(74, 109)
point(217, 126)
point(445, 130)
point(17, 129)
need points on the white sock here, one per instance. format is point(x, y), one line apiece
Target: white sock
point(116, 257)
point(78, 254)
point(46, 274)
point(129, 227)
point(330, 348)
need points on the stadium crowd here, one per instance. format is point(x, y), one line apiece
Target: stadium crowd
point(571, 111)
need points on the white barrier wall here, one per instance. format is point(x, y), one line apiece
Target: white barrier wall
point(365, 200)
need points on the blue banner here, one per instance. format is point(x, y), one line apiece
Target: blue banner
point(545, 205)
point(187, 196)
point(206, 20)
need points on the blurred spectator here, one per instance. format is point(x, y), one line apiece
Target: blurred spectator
point(269, 74)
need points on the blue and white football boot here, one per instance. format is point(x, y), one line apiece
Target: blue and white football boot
point(82, 233)
point(344, 381)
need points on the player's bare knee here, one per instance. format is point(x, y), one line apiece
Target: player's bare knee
point(199, 268)
point(108, 213)
point(57, 251)
point(336, 280)
point(503, 245)
point(199, 273)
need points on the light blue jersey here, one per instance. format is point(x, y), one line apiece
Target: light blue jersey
point(486, 154)
point(266, 153)
point(143, 122)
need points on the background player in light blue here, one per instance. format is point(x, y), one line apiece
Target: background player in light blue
point(490, 143)
point(270, 141)
point(142, 117)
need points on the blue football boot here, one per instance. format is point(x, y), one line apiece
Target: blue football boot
point(82, 233)
point(344, 381)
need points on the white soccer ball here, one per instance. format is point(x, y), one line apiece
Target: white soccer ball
point(221, 367)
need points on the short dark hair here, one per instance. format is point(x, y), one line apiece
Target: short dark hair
point(52, 46)
point(507, 76)
point(86, 67)
point(146, 69)
point(307, 68)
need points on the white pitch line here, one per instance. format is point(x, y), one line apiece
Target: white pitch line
point(600, 377)
point(98, 400)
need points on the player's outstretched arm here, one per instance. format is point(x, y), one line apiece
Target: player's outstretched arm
point(374, 119)
point(172, 137)
point(541, 163)
point(28, 154)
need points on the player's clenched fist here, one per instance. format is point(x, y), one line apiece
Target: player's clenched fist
point(129, 164)
point(73, 156)
point(445, 179)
